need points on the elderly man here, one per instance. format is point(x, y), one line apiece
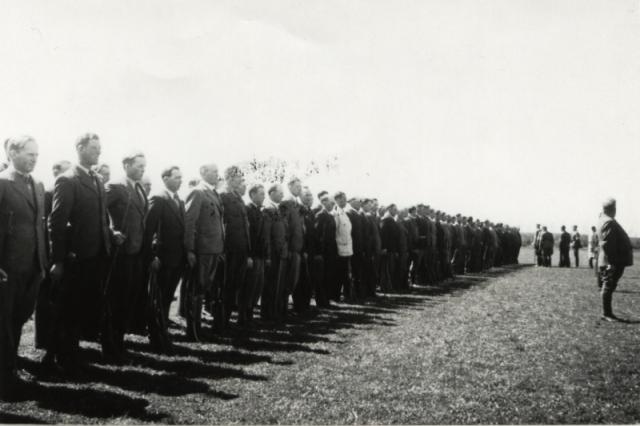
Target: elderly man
point(616, 253)
point(237, 245)
point(204, 243)
point(80, 245)
point(22, 253)
point(164, 251)
point(127, 205)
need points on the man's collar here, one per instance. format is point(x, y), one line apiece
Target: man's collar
point(18, 172)
point(208, 186)
point(84, 169)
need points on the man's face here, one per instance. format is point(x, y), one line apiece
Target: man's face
point(258, 197)
point(105, 172)
point(393, 210)
point(307, 198)
point(210, 175)
point(235, 183)
point(366, 206)
point(575, 228)
point(341, 202)
point(355, 204)
point(135, 170)
point(243, 188)
point(174, 181)
point(90, 153)
point(277, 195)
point(326, 202)
point(295, 188)
point(64, 166)
point(25, 160)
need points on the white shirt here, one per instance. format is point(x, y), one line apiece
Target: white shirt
point(343, 232)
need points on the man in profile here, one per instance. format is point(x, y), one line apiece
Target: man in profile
point(564, 246)
point(22, 253)
point(616, 253)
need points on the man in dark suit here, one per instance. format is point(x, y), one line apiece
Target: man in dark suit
point(22, 253)
point(401, 278)
point(164, 251)
point(204, 242)
point(576, 245)
point(413, 242)
point(372, 249)
point(127, 206)
point(80, 245)
point(237, 245)
point(325, 226)
point(295, 242)
point(389, 236)
point(275, 280)
point(564, 246)
point(546, 246)
point(45, 315)
point(615, 254)
point(308, 262)
point(260, 250)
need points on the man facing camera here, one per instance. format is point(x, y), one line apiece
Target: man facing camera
point(22, 253)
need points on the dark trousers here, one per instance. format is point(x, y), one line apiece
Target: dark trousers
point(45, 318)
point(78, 305)
point(17, 301)
point(576, 256)
point(329, 277)
point(317, 272)
point(564, 258)
point(388, 268)
point(274, 281)
point(546, 257)
point(358, 285)
point(125, 297)
point(370, 267)
point(254, 283)
point(304, 289)
point(166, 281)
point(415, 260)
point(608, 282)
point(288, 283)
point(401, 272)
point(343, 284)
point(234, 280)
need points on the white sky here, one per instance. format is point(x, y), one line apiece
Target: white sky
point(517, 111)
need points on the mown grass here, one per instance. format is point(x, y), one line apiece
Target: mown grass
point(516, 345)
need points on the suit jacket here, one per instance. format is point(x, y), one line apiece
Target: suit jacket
point(127, 206)
point(312, 243)
point(79, 222)
point(356, 230)
point(236, 224)
point(413, 235)
point(565, 241)
point(259, 232)
point(22, 223)
point(325, 226)
point(403, 237)
point(390, 235)
point(295, 225)
point(373, 230)
point(278, 229)
point(546, 241)
point(164, 229)
point(615, 246)
point(204, 229)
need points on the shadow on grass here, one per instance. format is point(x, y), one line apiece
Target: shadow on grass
point(89, 402)
point(9, 418)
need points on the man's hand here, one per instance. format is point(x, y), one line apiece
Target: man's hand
point(3, 276)
point(249, 263)
point(267, 263)
point(119, 238)
point(56, 272)
point(191, 259)
point(155, 264)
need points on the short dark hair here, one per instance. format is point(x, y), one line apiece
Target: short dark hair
point(129, 159)
point(340, 194)
point(273, 188)
point(169, 171)
point(412, 209)
point(255, 188)
point(322, 194)
point(85, 138)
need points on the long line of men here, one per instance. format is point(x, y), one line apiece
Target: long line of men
point(100, 258)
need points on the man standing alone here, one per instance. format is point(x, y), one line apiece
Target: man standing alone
point(615, 254)
point(576, 245)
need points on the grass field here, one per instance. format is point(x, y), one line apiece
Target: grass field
point(516, 345)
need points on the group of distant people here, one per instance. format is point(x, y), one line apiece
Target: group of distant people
point(102, 257)
point(609, 248)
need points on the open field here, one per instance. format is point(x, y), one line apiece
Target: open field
point(516, 345)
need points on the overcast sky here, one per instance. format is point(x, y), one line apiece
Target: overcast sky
point(517, 111)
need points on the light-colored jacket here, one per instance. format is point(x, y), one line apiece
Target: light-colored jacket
point(343, 232)
point(593, 244)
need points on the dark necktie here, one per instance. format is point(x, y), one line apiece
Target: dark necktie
point(176, 199)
